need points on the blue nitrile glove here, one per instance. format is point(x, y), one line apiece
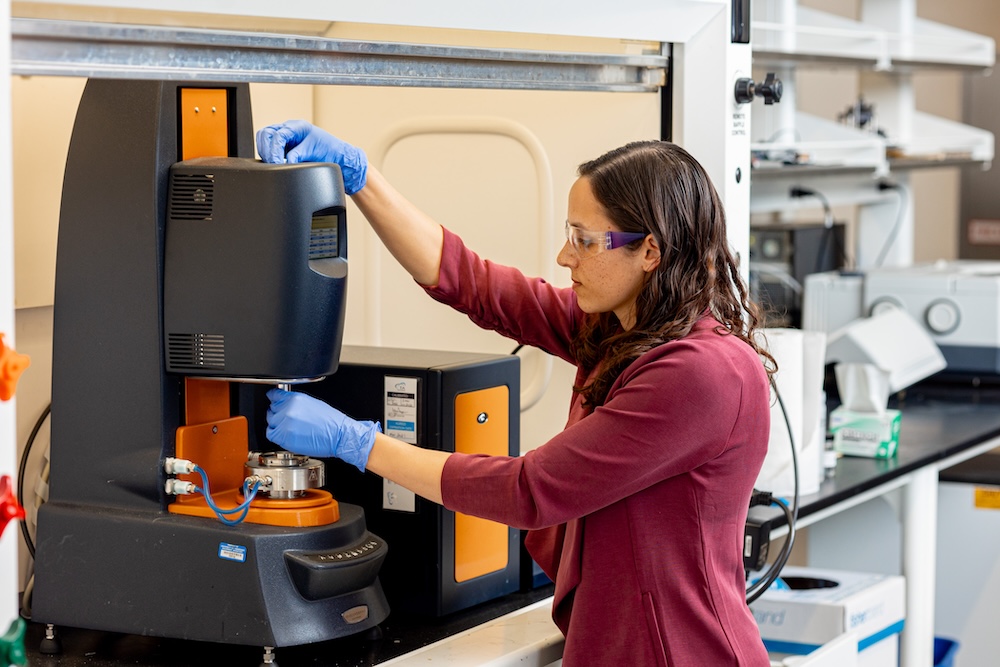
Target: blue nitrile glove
point(299, 141)
point(306, 425)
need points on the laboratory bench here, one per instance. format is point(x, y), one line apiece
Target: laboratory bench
point(943, 424)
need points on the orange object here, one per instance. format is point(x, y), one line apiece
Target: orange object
point(205, 400)
point(481, 427)
point(218, 444)
point(9, 507)
point(219, 448)
point(315, 508)
point(12, 365)
point(204, 123)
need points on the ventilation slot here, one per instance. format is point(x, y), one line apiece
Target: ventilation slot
point(196, 351)
point(191, 196)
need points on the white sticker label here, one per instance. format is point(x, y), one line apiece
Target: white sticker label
point(232, 552)
point(984, 232)
point(739, 124)
point(396, 497)
point(401, 408)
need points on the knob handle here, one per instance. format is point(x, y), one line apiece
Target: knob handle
point(744, 90)
point(770, 89)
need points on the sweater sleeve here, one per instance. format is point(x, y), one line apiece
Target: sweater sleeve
point(500, 298)
point(671, 411)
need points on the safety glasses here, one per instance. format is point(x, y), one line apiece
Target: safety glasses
point(587, 243)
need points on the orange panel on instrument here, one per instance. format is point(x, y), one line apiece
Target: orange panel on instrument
point(316, 508)
point(482, 426)
point(220, 448)
point(204, 123)
point(205, 401)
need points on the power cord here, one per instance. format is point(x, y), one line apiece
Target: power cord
point(29, 585)
point(901, 193)
point(791, 513)
point(21, 472)
point(797, 192)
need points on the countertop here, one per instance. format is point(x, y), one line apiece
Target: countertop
point(939, 420)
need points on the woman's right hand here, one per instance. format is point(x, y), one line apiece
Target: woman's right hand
point(300, 141)
point(305, 425)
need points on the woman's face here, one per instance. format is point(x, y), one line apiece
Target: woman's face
point(610, 280)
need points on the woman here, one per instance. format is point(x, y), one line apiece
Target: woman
point(637, 509)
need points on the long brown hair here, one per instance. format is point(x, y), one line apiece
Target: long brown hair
point(657, 188)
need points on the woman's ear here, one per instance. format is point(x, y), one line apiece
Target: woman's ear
point(651, 258)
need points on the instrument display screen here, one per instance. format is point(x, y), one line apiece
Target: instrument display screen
point(323, 237)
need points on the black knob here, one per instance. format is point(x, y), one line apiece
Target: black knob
point(744, 90)
point(769, 89)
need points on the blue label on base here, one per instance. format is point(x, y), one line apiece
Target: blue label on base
point(232, 552)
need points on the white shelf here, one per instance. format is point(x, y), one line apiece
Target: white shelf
point(887, 47)
point(943, 139)
point(827, 144)
point(934, 45)
point(820, 37)
point(828, 148)
point(825, 39)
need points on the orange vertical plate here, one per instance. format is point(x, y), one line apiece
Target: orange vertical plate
point(204, 123)
point(480, 544)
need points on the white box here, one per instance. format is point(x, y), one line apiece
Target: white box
point(839, 652)
point(820, 605)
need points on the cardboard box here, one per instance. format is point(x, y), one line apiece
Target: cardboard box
point(839, 652)
point(820, 605)
point(865, 433)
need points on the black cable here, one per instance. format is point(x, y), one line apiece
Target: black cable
point(891, 238)
point(517, 349)
point(20, 474)
point(791, 515)
point(840, 255)
point(839, 252)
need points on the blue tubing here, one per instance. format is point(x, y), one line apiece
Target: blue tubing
point(220, 513)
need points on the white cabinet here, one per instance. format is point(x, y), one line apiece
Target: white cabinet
point(882, 138)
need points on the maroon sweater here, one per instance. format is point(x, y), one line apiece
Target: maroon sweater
point(637, 509)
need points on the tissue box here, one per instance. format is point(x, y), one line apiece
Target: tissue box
point(865, 433)
point(820, 605)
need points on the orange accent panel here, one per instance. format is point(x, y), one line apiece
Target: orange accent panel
point(204, 123)
point(12, 365)
point(316, 508)
point(205, 401)
point(220, 448)
point(480, 544)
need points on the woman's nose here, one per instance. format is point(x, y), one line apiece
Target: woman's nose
point(566, 256)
